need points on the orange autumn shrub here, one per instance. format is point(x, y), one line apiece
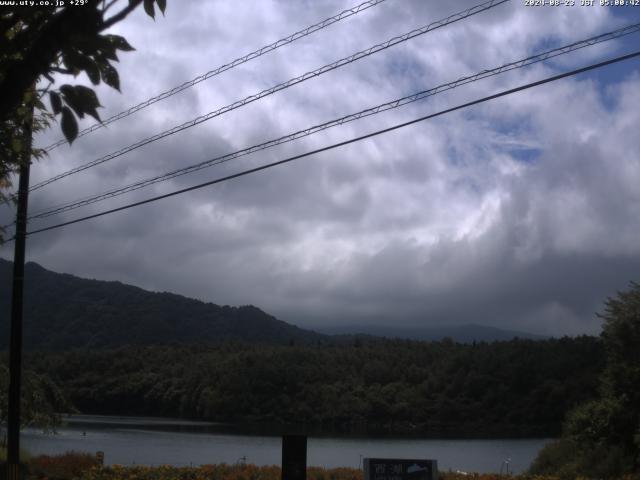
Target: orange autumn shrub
point(205, 472)
point(77, 466)
point(67, 466)
point(343, 473)
point(252, 472)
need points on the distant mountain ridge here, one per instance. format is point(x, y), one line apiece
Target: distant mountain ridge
point(62, 311)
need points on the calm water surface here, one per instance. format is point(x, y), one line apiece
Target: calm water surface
point(149, 441)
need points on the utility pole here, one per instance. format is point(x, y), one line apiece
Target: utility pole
point(15, 346)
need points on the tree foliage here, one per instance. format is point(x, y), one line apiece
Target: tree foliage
point(38, 47)
point(41, 400)
point(621, 336)
point(517, 388)
point(605, 431)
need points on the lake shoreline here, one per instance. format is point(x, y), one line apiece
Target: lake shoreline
point(468, 432)
point(161, 441)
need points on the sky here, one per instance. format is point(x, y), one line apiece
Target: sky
point(519, 213)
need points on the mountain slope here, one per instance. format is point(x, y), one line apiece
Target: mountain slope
point(62, 311)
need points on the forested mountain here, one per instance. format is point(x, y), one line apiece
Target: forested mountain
point(118, 349)
point(62, 311)
point(516, 388)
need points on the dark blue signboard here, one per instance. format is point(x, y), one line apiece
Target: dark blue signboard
point(400, 469)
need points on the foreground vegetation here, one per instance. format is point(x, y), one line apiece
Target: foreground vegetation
point(521, 387)
point(85, 467)
point(601, 436)
point(516, 388)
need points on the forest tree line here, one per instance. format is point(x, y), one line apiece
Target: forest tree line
point(515, 388)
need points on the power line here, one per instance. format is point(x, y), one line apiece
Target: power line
point(227, 66)
point(342, 120)
point(340, 144)
point(289, 83)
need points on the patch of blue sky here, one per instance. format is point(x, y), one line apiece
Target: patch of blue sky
point(626, 12)
point(405, 72)
point(508, 123)
point(516, 137)
point(525, 154)
point(513, 135)
point(546, 43)
point(620, 17)
point(607, 77)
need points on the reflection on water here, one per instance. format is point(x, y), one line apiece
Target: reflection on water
point(92, 420)
point(155, 441)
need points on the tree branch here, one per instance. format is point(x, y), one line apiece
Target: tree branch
point(108, 6)
point(43, 91)
point(61, 70)
point(121, 14)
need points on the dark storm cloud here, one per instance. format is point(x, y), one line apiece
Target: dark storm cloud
point(519, 213)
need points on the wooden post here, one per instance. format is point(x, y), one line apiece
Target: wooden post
point(294, 457)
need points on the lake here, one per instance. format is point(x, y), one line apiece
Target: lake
point(156, 441)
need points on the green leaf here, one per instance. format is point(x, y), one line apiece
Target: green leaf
point(106, 48)
point(92, 71)
point(69, 125)
point(81, 99)
point(71, 99)
point(56, 102)
point(162, 4)
point(81, 62)
point(108, 54)
point(119, 43)
point(88, 100)
point(87, 95)
point(70, 61)
point(110, 76)
point(148, 7)
point(16, 144)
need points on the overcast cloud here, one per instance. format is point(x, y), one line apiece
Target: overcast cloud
point(520, 213)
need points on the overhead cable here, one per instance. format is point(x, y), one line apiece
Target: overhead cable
point(342, 120)
point(289, 83)
point(340, 144)
point(223, 68)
